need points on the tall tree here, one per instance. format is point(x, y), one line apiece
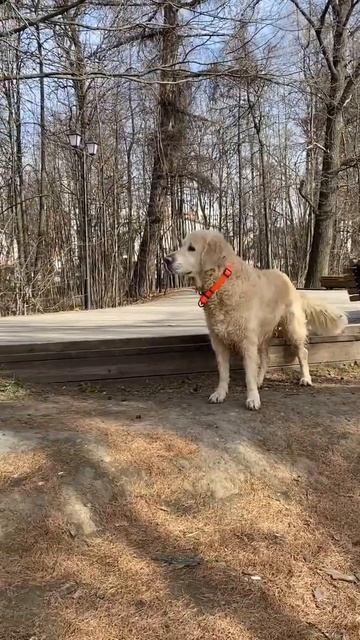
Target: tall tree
point(332, 32)
point(163, 152)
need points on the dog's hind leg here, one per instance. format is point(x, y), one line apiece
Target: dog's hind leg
point(222, 354)
point(263, 362)
point(297, 332)
point(251, 364)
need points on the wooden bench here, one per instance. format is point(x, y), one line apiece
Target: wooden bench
point(350, 280)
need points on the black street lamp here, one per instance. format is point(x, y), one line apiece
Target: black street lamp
point(83, 150)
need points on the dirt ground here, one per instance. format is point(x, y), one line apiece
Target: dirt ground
point(138, 510)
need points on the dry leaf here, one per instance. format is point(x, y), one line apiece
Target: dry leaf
point(338, 575)
point(319, 595)
point(68, 589)
point(72, 530)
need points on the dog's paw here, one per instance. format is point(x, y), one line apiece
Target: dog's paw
point(306, 382)
point(253, 402)
point(218, 396)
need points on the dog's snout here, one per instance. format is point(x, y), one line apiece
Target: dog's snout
point(169, 262)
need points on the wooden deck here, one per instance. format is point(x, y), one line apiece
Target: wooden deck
point(163, 337)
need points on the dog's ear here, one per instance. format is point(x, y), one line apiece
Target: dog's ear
point(214, 253)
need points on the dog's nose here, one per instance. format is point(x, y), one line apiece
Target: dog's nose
point(168, 261)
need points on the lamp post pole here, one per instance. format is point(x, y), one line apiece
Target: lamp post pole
point(84, 149)
point(85, 211)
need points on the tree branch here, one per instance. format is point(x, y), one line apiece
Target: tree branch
point(142, 35)
point(348, 163)
point(190, 4)
point(349, 85)
point(317, 28)
point(182, 75)
point(350, 12)
point(31, 22)
point(306, 197)
point(324, 14)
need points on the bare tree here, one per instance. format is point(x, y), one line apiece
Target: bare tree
point(202, 122)
point(165, 140)
point(336, 17)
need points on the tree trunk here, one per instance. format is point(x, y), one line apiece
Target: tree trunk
point(74, 52)
point(144, 271)
point(129, 188)
point(40, 241)
point(326, 210)
point(257, 123)
point(339, 89)
point(240, 178)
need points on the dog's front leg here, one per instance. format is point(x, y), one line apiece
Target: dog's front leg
point(222, 354)
point(251, 363)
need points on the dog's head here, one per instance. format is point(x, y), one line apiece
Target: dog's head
point(200, 252)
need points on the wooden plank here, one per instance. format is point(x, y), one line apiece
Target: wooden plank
point(343, 284)
point(101, 344)
point(352, 330)
point(337, 280)
point(201, 359)
point(182, 361)
point(321, 352)
point(115, 352)
point(167, 345)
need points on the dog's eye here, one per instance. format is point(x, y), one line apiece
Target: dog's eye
point(191, 248)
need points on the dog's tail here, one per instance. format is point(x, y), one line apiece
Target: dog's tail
point(322, 319)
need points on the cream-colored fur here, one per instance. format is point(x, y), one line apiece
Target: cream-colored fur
point(243, 314)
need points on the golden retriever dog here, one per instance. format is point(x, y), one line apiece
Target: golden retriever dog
point(244, 312)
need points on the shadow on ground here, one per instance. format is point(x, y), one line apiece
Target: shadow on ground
point(108, 493)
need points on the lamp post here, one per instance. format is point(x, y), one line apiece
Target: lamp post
point(83, 150)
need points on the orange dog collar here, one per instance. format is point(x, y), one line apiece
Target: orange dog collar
point(205, 297)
